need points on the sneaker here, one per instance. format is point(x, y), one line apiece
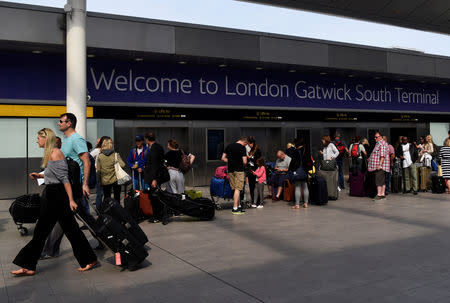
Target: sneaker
point(377, 198)
point(260, 206)
point(237, 211)
point(415, 193)
point(241, 209)
point(254, 206)
point(339, 189)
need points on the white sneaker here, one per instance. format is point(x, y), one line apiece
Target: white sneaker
point(260, 206)
point(339, 189)
point(254, 205)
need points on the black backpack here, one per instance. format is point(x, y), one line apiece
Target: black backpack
point(92, 173)
point(75, 178)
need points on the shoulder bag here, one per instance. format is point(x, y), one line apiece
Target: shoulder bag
point(122, 176)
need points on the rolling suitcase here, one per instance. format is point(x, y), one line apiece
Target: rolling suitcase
point(193, 193)
point(438, 185)
point(332, 183)
point(220, 188)
point(131, 201)
point(357, 184)
point(318, 191)
point(114, 209)
point(116, 237)
point(288, 191)
point(396, 184)
point(25, 209)
point(201, 208)
point(145, 204)
point(424, 178)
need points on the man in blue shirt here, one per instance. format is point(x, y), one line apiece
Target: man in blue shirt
point(136, 162)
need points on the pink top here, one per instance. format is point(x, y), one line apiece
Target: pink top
point(260, 173)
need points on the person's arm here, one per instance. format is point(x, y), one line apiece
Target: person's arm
point(130, 159)
point(335, 151)
point(224, 158)
point(63, 176)
point(191, 159)
point(244, 160)
point(121, 163)
point(84, 157)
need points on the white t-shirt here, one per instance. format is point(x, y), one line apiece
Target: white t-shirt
point(407, 161)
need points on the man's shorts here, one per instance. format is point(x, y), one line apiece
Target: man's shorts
point(380, 177)
point(237, 180)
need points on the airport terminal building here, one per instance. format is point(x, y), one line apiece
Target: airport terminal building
point(206, 86)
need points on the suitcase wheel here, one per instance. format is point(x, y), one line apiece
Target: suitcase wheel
point(23, 231)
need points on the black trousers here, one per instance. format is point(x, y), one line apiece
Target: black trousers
point(252, 185)
point(112, 187)
point(55, 208)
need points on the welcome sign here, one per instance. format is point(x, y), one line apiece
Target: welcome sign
point(29, 77)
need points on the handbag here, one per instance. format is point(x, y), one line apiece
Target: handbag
point(298, 175)
point(328, 165)
point(122, 176)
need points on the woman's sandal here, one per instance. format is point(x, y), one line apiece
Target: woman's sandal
point(88, 267)
point(296, 207)
point(305, 205)
point(22, 272)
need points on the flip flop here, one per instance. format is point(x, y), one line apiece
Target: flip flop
point(23, 272)
point(88, 267)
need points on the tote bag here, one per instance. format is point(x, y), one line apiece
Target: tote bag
point(122, 176)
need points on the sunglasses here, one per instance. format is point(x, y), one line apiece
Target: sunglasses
point(61, 121)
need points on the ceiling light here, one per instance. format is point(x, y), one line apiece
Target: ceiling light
point(138, 59)
point(259, 68)
point(222, 65)
point(90, 55)
point(323, 73)
point(292, 70)
point(182, 62)
point(37, 51)
point(351, 76)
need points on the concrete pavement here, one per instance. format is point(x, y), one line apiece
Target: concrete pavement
point(352, 250)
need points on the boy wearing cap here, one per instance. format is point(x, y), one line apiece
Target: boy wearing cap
point(136, 161)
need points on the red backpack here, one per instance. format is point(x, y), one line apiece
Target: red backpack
point(355, 150)
point(221, 172)
point(340, 148)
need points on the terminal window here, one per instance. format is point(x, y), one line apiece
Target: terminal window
point(215, 144)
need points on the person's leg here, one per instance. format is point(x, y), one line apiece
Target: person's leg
point(107, 191)
point(340, 162)
point(413, 171)
point(305, 192)
point(388, 181)
point(252, 186)
point(171, 185)
point(80, 245)
point(180, 182)
point(99, 195)
point(298, 194)
point(29, 255)
point(117, 188)
point(406, 174)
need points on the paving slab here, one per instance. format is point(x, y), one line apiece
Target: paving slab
point(352, 250)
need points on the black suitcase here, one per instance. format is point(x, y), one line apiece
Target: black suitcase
point(117, 238)
point(396, 184)
point(131, 204)
point(318, 191)
point(201, 208)
point(112, 208)
point(437, 185)
point(25, 209)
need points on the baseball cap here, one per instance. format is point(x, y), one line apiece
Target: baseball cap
point(139, 138)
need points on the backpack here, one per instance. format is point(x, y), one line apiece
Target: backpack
point(185, 164)
point(75, 178)
point(221, 172)
point(340, 148)
point(355, 150)
point(92, 173)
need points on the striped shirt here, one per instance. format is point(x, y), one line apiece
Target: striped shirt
point(445, 155)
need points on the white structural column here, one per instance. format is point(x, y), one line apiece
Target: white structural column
point(76, 62)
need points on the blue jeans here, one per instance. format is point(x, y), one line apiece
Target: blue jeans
point(339, 162)
point(136, 184)
point(99, 197)
point(388, 182)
